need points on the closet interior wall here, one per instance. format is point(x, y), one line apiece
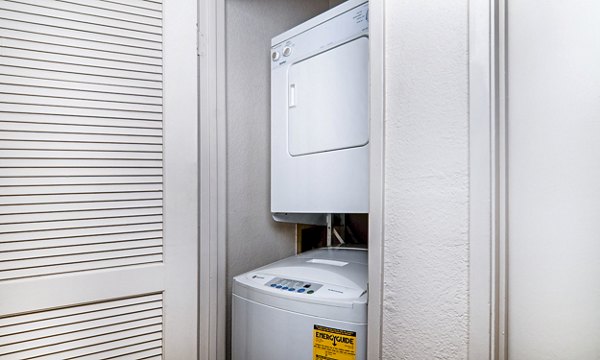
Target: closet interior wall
point(253, 238)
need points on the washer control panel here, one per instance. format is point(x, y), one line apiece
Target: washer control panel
point(295, 287)
point(289, 285)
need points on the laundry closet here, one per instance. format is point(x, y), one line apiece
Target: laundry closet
point(297, 133)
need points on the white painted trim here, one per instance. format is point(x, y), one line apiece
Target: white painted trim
point(180, 103)
point(74, 288)
point(481, 191)
point(501, 139)
point(376, 174)
point(212, 153)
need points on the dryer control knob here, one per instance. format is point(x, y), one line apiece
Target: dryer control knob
point(275, 55)
point(287, 51)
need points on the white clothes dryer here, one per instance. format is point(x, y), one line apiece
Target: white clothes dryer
point(320, 114)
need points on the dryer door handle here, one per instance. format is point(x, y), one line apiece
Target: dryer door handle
point(292, 96)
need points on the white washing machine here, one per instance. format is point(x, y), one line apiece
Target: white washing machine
point(320, 114)
point(310, 306)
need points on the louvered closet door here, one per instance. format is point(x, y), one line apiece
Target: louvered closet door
point(97, 185)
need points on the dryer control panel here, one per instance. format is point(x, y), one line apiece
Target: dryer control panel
point(339, 29)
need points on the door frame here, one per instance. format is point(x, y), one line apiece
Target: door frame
point(212, 180)
point(180, 146)
point(484, 160)
point(376, 175)
point(483, 153)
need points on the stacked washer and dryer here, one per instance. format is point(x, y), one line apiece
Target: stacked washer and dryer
point(313, 305)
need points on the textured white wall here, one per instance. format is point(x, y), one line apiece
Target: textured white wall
point(253, 238)
point(426, 244)
point(553, 180)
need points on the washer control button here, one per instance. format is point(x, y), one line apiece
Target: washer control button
point(301, 290)
point(287, 51)
point(275, 55)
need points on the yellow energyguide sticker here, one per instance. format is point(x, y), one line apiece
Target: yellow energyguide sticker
point(333, 344)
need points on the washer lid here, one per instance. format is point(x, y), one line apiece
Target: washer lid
point(324, 275)
point(349, 254)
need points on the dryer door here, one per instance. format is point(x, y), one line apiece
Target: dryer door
point(328, 100)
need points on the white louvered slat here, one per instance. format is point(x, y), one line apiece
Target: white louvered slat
point(96, 328)
point(29, 163)
point(78, 241)
point(145, 52)
point(66, 350)
point(79, 189)
point(106, 344)
point(26, 26)
point(77, 206)
point(78, 215)
point(77, 137)
point(74, 310)
point(130, 352)
point(74, 145)
point(46, 154)
point(79, 309)
point(82, 69)
point(83, 7)
point(79, 232)
point(142, 4)
point(150, 339)
point(78, 59)
point(34, 72)
point(78, 111)
point(77, 198)
point(54, 319)
point(39, 181)
point(76, 250)
point(79, 129)
point(37, 87)
point(128, 7)
point(118, 241)
point(64, 211)
point(81, 21)
point(28, 172)
point(76, 224)
point(63, 259)
point(114, 124)
point(34, 42)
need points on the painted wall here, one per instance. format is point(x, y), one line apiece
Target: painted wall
point(253, 238)
point(426, 244)
point(553, 188)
